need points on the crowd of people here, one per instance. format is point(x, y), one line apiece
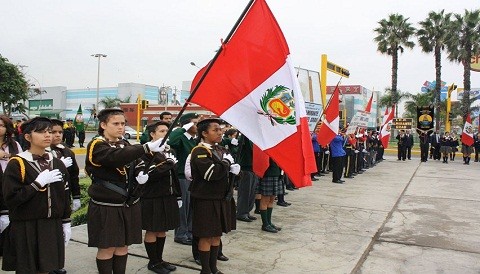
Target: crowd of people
point(185, 183)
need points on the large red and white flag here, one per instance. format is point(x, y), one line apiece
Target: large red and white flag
point(331, 121)
point(467, 134)
point(368, 107)
point(253, 86)
point(386, 127)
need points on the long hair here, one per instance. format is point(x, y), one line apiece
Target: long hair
point(8, 138)
point(36, 124)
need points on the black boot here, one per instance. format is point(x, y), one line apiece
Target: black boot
point(205, 260)
point(160, 246)
point(269, 218)
point(468, 160)
point(119, 264)
point(105, 266)
point(265, 224)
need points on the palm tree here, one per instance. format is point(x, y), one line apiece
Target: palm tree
point(431, 38)
point(420, 99)
point(462, 43)
point(392, 36)
point(390, 98)
point(109, 102)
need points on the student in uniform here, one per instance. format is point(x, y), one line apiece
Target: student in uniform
point(161, 202)
point(62, 152)
point(36, 192)
point(211, 190)
point(114, 214)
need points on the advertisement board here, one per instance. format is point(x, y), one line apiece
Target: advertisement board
point(313, 114)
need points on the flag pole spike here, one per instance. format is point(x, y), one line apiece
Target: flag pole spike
point(209, 66)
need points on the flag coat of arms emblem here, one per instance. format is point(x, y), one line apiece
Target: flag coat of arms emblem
point(253, 86)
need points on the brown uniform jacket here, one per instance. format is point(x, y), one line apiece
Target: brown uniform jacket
point(162, 177)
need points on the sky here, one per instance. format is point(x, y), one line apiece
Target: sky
point(153, 42)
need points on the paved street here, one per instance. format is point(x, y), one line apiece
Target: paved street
point(399, 217)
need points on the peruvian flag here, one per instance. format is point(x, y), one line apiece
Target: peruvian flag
point(368, 108)
point(386, 126)
point(253, 86)
point(467, 134)
point(331, 121)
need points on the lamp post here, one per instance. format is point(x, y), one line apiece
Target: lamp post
point(99, 56)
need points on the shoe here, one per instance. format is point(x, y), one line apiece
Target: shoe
point(290, 188)
point(197, 261)
point(314, 179)
point(244, 219)
point(157, 268)
point(253, 218)
point(276, 227)
point(257, 211)
point(222, 257)
point(168, 266)
point(269, 228)
point(349, 177)
point(338, 182)
point(285, 204)
point(183, 241)
point(58, 271)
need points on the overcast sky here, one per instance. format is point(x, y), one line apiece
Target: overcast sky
point(153, 42)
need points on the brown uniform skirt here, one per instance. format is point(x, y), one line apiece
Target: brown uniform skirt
point(160, 214)
point(39, 245)
point(211, 218)
point(112, 226)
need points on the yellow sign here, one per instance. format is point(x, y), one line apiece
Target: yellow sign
point(402, 123)
point(475, 64)
point(337, 69)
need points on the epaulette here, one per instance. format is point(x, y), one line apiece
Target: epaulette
point(22, 167)
point(90, 151)
point(204, 155)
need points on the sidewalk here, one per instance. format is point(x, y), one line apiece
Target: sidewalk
point(398, 217)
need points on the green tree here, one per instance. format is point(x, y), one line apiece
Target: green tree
point(114, 102)
point(13, 87)
point(420, 99)
point(389, 98)
point(463, 43)
point(432, 37)
point(393, 35)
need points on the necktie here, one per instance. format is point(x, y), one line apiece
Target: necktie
point(42, 161)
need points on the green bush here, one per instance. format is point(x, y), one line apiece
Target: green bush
point(79, 217)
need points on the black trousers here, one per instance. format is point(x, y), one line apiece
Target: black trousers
point(337, 167)
point(409, 152)
point(402, 152)
point(424, 152)
point(436, 152)
point(81, 137)
point(477, 151)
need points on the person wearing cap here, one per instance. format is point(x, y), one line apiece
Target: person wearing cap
point(337, 157)
point(211, 190)
point(114, 215)
point(36, 192)
point(160, 204)
point(182, 140)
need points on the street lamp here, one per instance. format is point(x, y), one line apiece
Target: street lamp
point(99, 56)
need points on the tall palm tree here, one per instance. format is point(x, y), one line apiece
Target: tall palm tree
point(419, 99)
point(431, 38)
point(109, 102)
point(463, 43)
point(390, 98)
point(393, 35)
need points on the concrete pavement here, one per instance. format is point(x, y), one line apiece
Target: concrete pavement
point(398, 217)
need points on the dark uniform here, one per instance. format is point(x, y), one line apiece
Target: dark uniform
point(60, 151)
point(476, 145)
point(36, 214)
point(401, 148)
point(212, 204)
point(349, 157)
point(424, 144)
point(114, 214)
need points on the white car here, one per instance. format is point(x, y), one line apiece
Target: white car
point(130, 133)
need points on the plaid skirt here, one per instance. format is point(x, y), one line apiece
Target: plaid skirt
point(271, 186)
point(467, 149)
point(445, 149)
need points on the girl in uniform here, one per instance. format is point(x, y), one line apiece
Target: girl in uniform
point(161, 203)
point(35, 188)
point(114, 215)
point(445, 147)
point(213, 207)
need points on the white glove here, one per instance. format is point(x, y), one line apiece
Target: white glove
point(327, 152)
point(364, 151)
point(142, 178)
point(188, 126)
point(356, 151)
point(235, 169)
point(188, 168)
point(234, 142)
point(229, 158)
point(180, 203)
point(4, 222)
point(48, 176)
point(171, 157)
point(155, 145)
point(67, 232)
point(68, 162)
point(76, 204)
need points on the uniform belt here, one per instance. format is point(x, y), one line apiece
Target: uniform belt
point(115, 204)
point(111, 186)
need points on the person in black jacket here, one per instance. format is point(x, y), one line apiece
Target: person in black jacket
point(424, 138)
point(114, 214)
point(401, 149)
point(476, 145)
point(409, 144)
point(435, 143)
point(211, 190)
point(36, 192)
point(161, 202)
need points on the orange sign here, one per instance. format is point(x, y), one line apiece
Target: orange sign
point(475, 64)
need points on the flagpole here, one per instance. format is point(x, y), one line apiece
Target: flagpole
point(209, 66)
point(328, 103)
